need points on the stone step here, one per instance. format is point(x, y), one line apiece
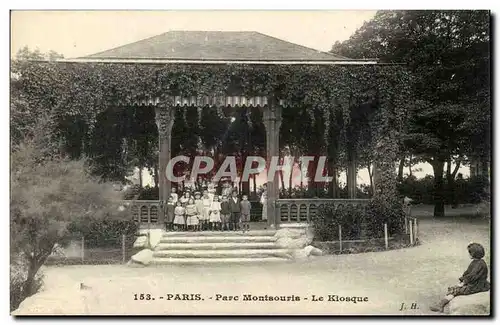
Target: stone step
point(219, 245)
point(217, 239)
point(205, 261)
point(219, 233)
point(223, 253)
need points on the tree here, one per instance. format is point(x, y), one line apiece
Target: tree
point(48, 192)
point(448, 53)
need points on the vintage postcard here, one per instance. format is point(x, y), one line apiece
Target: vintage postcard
point(250, 163)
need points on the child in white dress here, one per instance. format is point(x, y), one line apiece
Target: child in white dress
point(185, 198)
point(211, 191)
point(191, 214)
point(215, 220)
point(205, 216)
point(179, 222)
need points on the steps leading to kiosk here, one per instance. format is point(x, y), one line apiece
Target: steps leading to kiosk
point(212, 247)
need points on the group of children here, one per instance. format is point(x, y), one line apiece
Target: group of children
point(205, 211)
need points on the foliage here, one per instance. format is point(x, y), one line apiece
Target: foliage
point(448, 53)
point(149, 193)
point(357, 222)
point(465, 190)
point(88, 102)
point(328, 219)
point(307, 192)
point(48, 192)
point(102, 232)
point(379, 211)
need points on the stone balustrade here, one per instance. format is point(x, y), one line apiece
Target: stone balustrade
point(303, 210)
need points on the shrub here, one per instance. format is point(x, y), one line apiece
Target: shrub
point(102, 232)
point(362, 192)
point(149, 193)
point(380, 211)
point(461, 191)
point(357, 222)
point(329, 217)
point(48, 193)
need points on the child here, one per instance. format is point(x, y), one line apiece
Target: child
point(226, 189)
point(245, 213)
point(215, 220)
point(191, 214)
point(198, 202)
point(235, 206)
point(185, 198)
point(472, 281)
point(225, 211)
point(211, 191)
point(169, 214)
point(205, 216)
point(263, 201)
point(179, 222)
point(174, 195)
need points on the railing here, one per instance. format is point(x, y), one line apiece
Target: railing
point(303, 210)
point(144, 212)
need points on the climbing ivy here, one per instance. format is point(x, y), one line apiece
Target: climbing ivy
point(332, 97)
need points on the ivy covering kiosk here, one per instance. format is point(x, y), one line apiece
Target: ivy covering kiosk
point(179, 70)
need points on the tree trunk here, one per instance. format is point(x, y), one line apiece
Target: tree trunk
point(438, 167)
point(290, 179)
point(370, 175)
point(245, 187)
point(282, 180)
point(254, 179)
point(401, 168)
point(331, 185)
point(28, 289)
point(484, 168)
point(311, 172)
point(450, 181)
point(140, 176)
point(301, 179)
point(410, 165)
point(155, 176)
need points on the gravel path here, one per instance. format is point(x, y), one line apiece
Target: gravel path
point(413, 275)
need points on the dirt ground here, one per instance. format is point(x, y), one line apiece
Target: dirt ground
point(413, 276)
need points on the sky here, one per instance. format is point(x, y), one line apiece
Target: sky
point(79, 33)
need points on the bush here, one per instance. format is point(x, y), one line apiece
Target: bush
point(48, 193)
point(329, 217)
point(149, 193)
point(379, 212)
point(357, 221)
point(463, 190)
point(362, 192)
point(102, 232)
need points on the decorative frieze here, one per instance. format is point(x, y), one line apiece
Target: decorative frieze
point(224, 101)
